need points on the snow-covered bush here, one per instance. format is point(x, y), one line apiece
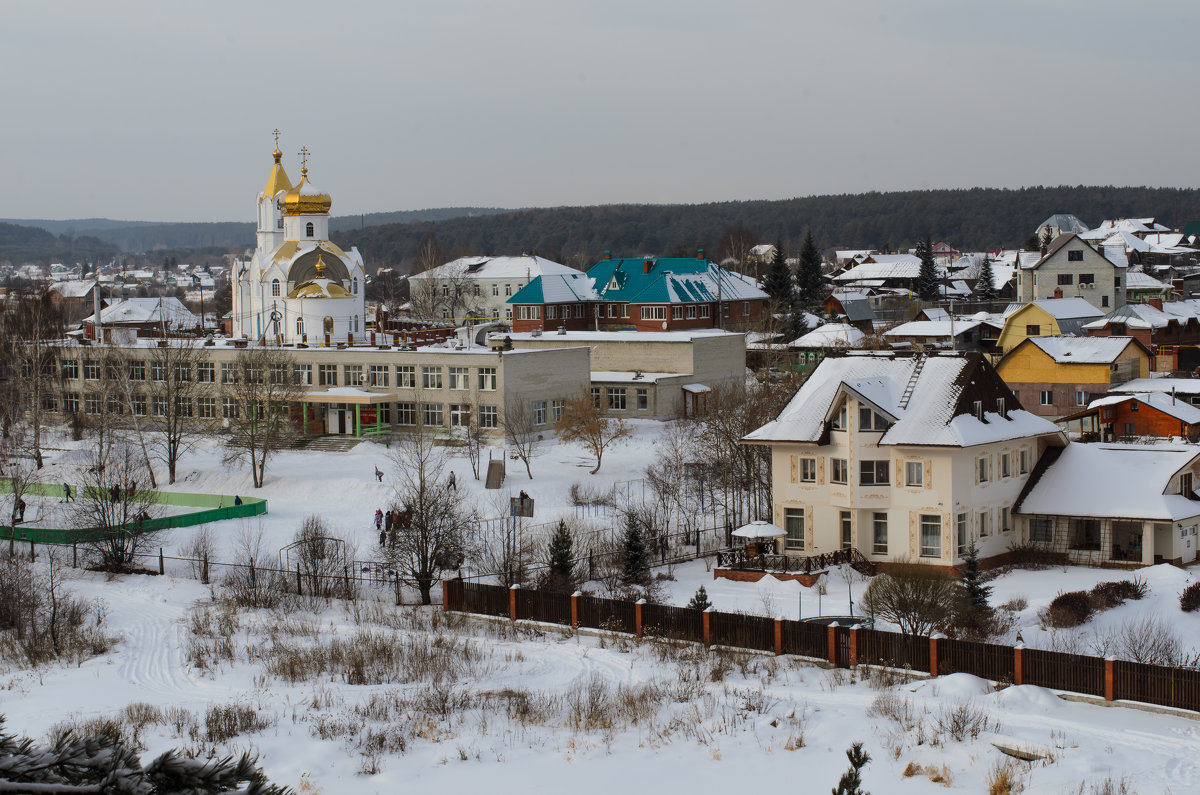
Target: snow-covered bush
point(1069, 609)
point(1189, 600)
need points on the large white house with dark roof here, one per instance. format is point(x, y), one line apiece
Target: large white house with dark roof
point(902, 457)
point(1072, 268)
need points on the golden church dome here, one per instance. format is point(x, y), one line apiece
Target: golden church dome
point(320, 287)
point(278, 178)
point(305, 199)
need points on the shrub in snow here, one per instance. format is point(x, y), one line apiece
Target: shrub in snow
point(1069, 609)
point(1189, 600)
point(916, 598)
point(700, 600)
point(1106, 595)
point(977, 591)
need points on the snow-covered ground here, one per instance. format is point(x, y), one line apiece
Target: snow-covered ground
point(486, 706)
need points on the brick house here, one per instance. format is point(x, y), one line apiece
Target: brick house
point(1169, 329)
point(1056, 376)
point(645, 294)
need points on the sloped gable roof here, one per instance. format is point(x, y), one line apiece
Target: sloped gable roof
point(928, 417)
point(1082, 350)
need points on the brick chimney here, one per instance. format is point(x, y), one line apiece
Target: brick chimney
point(1156, 303)
point(699, 253)
point(647, 264)
point(1058, 292)
point(607, 254)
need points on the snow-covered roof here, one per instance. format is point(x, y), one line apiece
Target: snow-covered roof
point(1182, 386)
point(1140, 280)
point(1146, 316)
point(1114, 481)
point(1064, 222)
point(1082, 350)
point(830, 335)
point(933, 328)
point(74, 288)
point(1061, 308)
point(137, 311)
point(1179, 409)
point(494, 268)
point(886, 266)
point(632, 376)
point(927, 418)
point(683, 335)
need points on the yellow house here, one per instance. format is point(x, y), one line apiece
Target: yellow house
point(1047, 318)
point(1055, 376)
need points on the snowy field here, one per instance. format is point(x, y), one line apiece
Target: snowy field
point(372, 698)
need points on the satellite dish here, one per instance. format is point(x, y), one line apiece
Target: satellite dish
point(664, 325)
point(362, 379)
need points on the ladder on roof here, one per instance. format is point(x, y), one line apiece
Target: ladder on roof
point(912, 381)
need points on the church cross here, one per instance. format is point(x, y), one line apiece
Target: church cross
point(276, 137)
point(304, 156)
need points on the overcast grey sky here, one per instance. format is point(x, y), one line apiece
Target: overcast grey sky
point(164, 110)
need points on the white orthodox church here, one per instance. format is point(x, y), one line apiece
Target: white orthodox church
point(298, 287)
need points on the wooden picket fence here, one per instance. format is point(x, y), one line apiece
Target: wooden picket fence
point(841, 646)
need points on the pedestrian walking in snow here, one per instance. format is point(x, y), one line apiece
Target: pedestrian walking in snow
point(378, 520)
point(66, 492)
point(382, 538)
point(378, 474)
point(453, 485)
point(20, 510)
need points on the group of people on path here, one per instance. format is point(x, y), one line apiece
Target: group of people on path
point(387, 523)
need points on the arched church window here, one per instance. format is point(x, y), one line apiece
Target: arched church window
point(356, 324)
point(275, 287)
point(308, 229)
point(354, 285)
point(328, 323)
point(299, 327)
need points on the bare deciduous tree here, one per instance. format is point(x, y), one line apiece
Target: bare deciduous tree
point(520, 432)
point(175, 389)
point(31, 337)
point(261, 398)
point(435, 519)
point(109, 504)
point(584, 421)
point(915, 597)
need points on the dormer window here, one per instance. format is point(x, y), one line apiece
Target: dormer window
point(308, 229)
point(840, 419)
point(1000, 406)
point(977, 409)
point(870, 420)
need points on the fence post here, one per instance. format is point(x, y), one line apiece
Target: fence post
point(32, 553)
point(575, 609)
point(778, 636)
point(637, 617)
point(299, 583)
point(933, 653)
point(1019, 664)
point(74, 555)
point(1108, 677)
point(854, 645)
point(160, 562)
point(706, 619)
point(831, 646)
point(512, 600)
point(398, 601)
point(204, 570)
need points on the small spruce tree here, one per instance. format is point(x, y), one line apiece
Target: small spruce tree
point(778, 283)
point(700, 600)
point(636, 570)
point(562, 557)
point(977, 591)
point(851, 781)
point(985, 289)
point(810, 282)
point(927, 278)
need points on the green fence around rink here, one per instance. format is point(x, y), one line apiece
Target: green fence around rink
point(214, 508)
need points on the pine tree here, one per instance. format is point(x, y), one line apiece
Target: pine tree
point(700, 600)
point(928, 283)
point(851, 781)
point(985, 289)
point(562, 559)
point(810, 283)
point(637, 560)
point(778, 283)
point(977, 592)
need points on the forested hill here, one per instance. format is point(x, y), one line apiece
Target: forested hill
point(972, 219)
point(31, 244)
point(141, 236)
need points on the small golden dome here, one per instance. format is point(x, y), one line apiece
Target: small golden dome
point(320, 287)
point(305, 199)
